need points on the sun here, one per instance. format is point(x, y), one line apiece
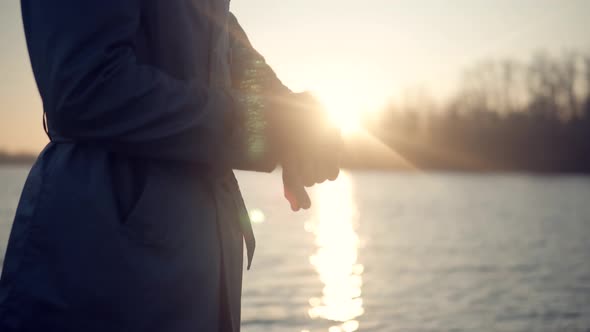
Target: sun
point(346, 105)
point(344, 114)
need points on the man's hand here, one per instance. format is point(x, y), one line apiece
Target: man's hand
point(293, 187)
point(310, 148)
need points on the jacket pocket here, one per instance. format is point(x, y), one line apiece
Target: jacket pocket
point(146, 222)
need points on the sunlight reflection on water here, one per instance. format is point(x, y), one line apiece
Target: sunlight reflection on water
point(336, 258)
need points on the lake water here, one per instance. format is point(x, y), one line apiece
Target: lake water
point(411, 252)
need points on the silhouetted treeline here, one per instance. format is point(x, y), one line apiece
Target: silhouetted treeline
point(16, 159)
point(506, 115)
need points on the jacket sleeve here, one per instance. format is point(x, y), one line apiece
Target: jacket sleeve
point(260, 91)
point(94, 89)
point(249, 68)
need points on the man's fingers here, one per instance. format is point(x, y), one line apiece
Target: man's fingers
point(294, 188)
point(323, 162)
point(333, 173)
point(328, 166)
point(291, 199)
point(308, 172)
point(302, 197)
point(330, 155)
point(296, 194)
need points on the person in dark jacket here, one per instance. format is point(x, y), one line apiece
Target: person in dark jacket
point(131, 218)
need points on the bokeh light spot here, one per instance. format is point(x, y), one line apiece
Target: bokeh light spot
point(257, 216)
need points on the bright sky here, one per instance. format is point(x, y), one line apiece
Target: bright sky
point(352, 56)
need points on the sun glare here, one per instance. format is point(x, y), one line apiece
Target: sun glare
point(347, 105)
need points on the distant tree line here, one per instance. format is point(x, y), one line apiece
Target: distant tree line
point(507, 115)
point(16, 159)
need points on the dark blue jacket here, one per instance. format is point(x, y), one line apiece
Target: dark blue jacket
point(131, 219)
